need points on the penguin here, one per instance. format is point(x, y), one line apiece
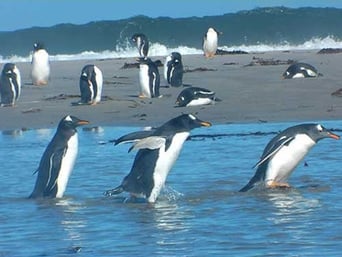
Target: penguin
point(301, 70)
point(210, 42)
point(149, 78)
point(195, 96)
point(91, 81)
point(10, 85)
point(58, 160)
point(158, 150)
point(142, 43)
point(173, 69)
point(283, 154)
point(40, 66)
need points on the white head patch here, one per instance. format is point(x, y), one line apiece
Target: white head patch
point(319, 128)
point(192, 117)
point(68, 118)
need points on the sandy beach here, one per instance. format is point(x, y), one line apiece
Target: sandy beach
point(249, 93)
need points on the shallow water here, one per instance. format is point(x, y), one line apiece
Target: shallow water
point(200, 212)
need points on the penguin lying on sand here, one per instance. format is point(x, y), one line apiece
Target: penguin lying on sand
point(301, 70)
point(284, 152)
point(58, 160)
point(158, 150)
point(195, 96)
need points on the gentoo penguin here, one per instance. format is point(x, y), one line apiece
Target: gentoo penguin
point(173, 69)
point(301, 70)
point(91, 81)
point(40, 66)
point(10, 84)
point(149, 78)
point(284, 152)
point(158, 150)
point(210, 42)
point(58, 160)
point(142, 43)
point(194, 96)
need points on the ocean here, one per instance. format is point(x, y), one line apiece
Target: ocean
point(199, 213)
point(258, 30)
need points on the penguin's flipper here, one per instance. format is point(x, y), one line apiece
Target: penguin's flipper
point(152, 143)
point(115, 191)
point(272, 149)
point(48, 171)
point(204, 93)
point(134, 136)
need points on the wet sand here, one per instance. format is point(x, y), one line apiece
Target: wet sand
point(249, 93)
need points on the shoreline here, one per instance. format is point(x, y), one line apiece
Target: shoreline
point(249, 92)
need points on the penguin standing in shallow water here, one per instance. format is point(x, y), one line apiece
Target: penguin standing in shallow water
point(284, 152)
point(210, 42)
point(301, 70)
point(40, 66)
point(58, 160)
point(173, 69)
point(142, 43)
point(149, 78)
point(158, 150)
point(10, 85)
point(195, 96)
point(91, 81)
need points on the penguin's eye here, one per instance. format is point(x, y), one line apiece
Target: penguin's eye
point(319, 128)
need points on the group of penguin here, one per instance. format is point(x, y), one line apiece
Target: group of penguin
point(157, 148)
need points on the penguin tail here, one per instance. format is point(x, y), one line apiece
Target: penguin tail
point(115, 191)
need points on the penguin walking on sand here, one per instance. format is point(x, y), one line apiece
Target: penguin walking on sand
point(158, 150)
point(195, 96)
point(210, 42)
point(173, 69)
point(149, 78)
point(301, 70)
point(91, 81)
point(283, 154)
point(10, 85)
point(58, 160)
point(40, 66)
point(142, 43)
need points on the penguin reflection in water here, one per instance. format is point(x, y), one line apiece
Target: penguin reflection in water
point(158, 149)
point(10, 85)
point(40, 66)
point(149, 78)
point(58, 160)
point(284, 152)
point(91, 81)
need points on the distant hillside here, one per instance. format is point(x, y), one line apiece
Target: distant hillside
point(264, 25)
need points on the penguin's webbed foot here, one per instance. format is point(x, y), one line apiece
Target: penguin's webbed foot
point(274, 184)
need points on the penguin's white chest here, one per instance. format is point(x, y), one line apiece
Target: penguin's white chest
point(165, 162)
point(200, 101)
point(99, 83)
point(40, 67)
point(287, 158)
point(210, 44)
point(67, 165)
point(166, 66)
point(144, 81)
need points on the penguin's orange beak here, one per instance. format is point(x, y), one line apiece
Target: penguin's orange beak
point(333, 136)
point(206, 124)
point(83, 122)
